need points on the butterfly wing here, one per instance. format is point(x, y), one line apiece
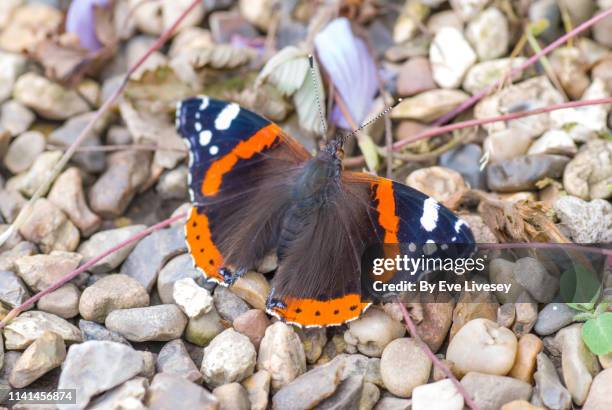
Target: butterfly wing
point(319, 284)
point(240, 172)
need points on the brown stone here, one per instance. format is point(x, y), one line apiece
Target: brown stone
point(529, 345)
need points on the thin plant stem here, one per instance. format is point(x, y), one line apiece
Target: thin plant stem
point(357, 161)
point(25, 212)
point(435, 360)
point(530, 61)
point(69, 276)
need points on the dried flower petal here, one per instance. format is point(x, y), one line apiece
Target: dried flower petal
point(351, 68)
point(81, 21)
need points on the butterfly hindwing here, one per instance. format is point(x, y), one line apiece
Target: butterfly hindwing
point(239, 180)
point(319, 285)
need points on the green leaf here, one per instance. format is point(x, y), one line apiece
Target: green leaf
point(369, 150)
point(286, 70)
point(597, 334)
point(307, 100)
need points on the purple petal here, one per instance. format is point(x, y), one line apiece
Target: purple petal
point(351, 68)
point(80, 20)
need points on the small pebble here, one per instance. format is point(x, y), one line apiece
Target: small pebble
point(191, 298)
point(483, 346)
point(441, 395)
point(450, 56)
point(529, 346)
point(23, 151)
point(253, 324)
point(63, 302)
point(490, 392)
point(169, 391)
point(153, 323)
point(45, 354)
point(281, 353)
point(489, 34)
point(173, 358)
point(230, 357)
point(578, 364)
point(94, 367)
point(404, 366)
point(373, 331)
point(111, 293)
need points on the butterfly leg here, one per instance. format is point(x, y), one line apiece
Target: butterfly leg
point(229, 277)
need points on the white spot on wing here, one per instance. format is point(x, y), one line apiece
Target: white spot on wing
point(205, 137)
point(214, 150)
point(429, 220)
point(459, 224)
point(226, 116)
point(198, 127)
point(204, 103)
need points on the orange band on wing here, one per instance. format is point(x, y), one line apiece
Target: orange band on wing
point(387, 218)
point(312, 312)
point(260, 141)
point(203, 250)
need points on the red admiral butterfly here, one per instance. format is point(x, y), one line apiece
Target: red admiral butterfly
point(255, 190)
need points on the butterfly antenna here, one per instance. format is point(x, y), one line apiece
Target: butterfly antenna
point(374, 119)
point(315, 83)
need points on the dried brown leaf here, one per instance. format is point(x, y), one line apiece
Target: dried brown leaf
point(522, 221)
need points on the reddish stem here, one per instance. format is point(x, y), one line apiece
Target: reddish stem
point(437, 362)
point(530, 61)
point(69, 276)
point(357, 161)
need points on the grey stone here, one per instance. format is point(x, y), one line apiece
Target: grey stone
point(15, 117)
point(10, 358)
point(94, 367)
point(533, 276)
point(105, 240)
point(64, 136)
point(115, 189)
point(490, 392)
point(173, 358)
point(464, 160)
point(63, 302)
point(311, 388)
point(29, 326)
point(153, 323)
point(110, 293)
point(151, 254)
point(170, 391)
point(23, 151)
point(549, 388)
point(177, 268)
point(228, 304)
point(128, 394)
point(553, 317)
point(522, 173)
point(12, 290)
point(95, 331)
point(393, 403)
point(347, 396)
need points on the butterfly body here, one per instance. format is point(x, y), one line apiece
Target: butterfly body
point(256, 191)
